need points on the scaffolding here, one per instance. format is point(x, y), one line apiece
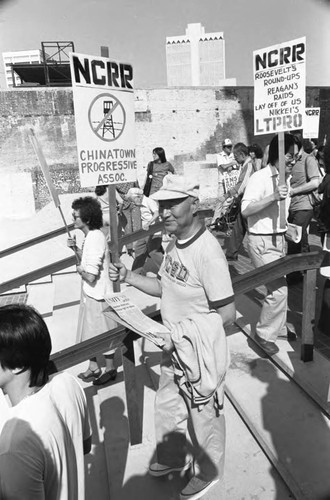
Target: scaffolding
point(55, 55)
point(53, 70)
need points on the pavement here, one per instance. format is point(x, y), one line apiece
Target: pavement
point(295, 291)
point(248, 472)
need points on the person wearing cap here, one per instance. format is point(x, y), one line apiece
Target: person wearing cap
point(148, 251)
point(196, 293)
point(226, 163)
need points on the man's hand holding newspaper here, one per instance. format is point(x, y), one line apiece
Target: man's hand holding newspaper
point(125, 312)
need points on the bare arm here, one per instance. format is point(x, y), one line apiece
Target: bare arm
point(151, 286)
point(240, 186)
point(305, 188)
point(225, 166)
point(227, 313)
point(89, 277)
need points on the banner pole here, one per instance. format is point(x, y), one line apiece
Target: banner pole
point(45, 170)
point(114, 253)
point(281, 159)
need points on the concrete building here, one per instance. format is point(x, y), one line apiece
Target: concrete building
point(19, 57)
point(196, 58)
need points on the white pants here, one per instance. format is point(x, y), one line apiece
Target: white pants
point(264, 249)
point(174, 414)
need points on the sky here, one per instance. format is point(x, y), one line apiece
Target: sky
point(135, 31)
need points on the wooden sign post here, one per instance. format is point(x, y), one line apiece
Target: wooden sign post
point(114, 254)
point(52, 189)
point(281, 160)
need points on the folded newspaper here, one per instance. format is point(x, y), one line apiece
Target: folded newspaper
point(125, 312)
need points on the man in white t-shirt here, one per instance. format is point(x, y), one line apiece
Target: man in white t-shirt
point(46, 431)
point(226, 163)
point(194, 285)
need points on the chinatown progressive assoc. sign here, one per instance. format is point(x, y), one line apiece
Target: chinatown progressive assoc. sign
point(279, 87)
point(103, 98)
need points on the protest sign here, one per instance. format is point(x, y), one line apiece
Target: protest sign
point(230, 179)
point(279, 87)
point(311, 123)
point(103, 98)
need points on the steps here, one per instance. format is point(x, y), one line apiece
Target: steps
point(285, 420)
point(41, 296)
point(96, 474)
point(128, 465)
point(65, 310)
point(312, 377)
point(286, 423)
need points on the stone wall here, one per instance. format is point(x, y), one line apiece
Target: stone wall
point(188, 122)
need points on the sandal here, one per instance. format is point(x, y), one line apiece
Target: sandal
point(106, 377)
point(90, 375)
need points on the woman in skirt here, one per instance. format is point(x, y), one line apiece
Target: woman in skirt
point(93, 269)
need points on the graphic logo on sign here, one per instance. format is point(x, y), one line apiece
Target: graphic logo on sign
point(107, 117)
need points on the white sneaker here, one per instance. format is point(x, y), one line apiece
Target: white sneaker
point(158, 470)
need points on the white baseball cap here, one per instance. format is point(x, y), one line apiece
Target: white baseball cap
point(176, 186)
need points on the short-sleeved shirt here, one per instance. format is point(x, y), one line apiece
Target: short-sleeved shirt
point(224, 159)
point(160, 170)
point(41, 444)
point(148, 208)
point(303, 171)
point(261, 184)
point(194, 278)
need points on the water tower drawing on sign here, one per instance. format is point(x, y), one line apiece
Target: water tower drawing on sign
point(108, 124)
point(107, 117)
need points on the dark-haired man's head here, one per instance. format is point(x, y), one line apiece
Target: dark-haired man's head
point(255, 151)
point(241, 152)
point(290, 152)
point(25, 343)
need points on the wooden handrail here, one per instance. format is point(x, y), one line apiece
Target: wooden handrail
point(241, 284)
point(128, 238)
point(73, 355)
point(55, 267)
point(138, 235)
point(35, 241)
point(69, 261)
point(299, 262)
